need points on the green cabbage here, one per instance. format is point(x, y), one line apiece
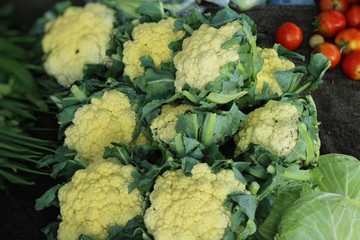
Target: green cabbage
point(341, 175)
point(321, 215)
point(328, 207)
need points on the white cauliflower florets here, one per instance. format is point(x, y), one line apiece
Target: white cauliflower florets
point(150, 39)
point(97, 198)
point(272, 63)
point(273, 127)
point(201, 58)
point(191, 207)
point(163, 126)
point(80, 36)
point(107, 119)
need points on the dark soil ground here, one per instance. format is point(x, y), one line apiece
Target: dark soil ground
point(337, 100)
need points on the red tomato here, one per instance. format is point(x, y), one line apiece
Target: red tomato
point(353, 16)
point(340, 5)
point(353, 1)
point(348, 40)
point(330, 51)
point(351, 66)
point(289, 35)
point(329, 23)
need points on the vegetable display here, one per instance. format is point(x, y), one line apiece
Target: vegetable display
point(330, 22)
point(348, 40)
point(100, 195)
point(67, 52)
point(286, 128)
point(176, 124)
point(142, 44)
point(338, 23)
point(176, 198)
point(353, 16)
point(334, 198)
point(289, 35)
point(315, 40)
point(330, 51)
point(351, 65)
point(339, 5)
point(116, 123)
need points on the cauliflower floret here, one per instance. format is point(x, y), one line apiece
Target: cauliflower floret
point(272, 63)
point(107, 119)
point(273, 127)
point(202, 57)
point(163, 126)
point(97, 198)
point(150, 39)
point(191, 207)
point(80, 36)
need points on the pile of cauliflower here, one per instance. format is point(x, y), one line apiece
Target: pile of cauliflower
point(160, 143)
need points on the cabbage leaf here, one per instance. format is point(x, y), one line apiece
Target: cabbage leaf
point(330, 209)
point(321, 215)
point(341, 175)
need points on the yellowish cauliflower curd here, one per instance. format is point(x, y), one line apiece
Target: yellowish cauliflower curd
point(107, 119)
point(97, 198)
point(163, 126)
point(202, 57)
point(150, 39)
point(80, 36)
point(272, 63)
point(273, 127)
point(191, 207)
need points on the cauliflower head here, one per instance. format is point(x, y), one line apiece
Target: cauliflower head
point(272, 63)
point(202, 56)
point(163, 126)
point(107, 119)
point(273, 127)
point(191, 207)
point(80, 36)
point(97, 198)
point(150, 39)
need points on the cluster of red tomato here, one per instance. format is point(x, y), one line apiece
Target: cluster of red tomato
point(337, 36)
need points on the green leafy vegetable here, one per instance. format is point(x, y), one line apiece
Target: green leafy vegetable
point(341, 175)
point(326, 207)
point(321, 215)
point(20, 101)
